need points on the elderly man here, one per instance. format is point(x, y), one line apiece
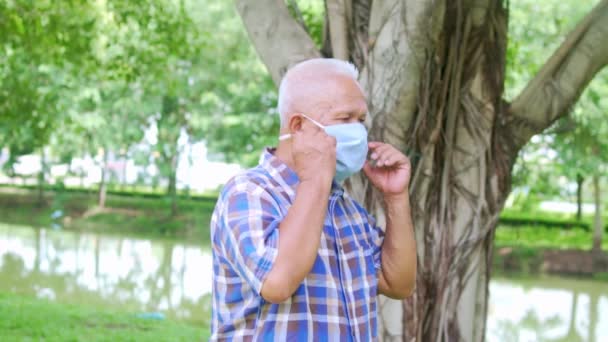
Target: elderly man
point(295, 258)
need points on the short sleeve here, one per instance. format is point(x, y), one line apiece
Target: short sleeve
point(375, 240)
point(249, 233)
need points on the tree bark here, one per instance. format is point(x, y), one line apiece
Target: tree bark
point(598, 226)
point(103, 186)
point(41, 177)
point(579, 196)
point(338, 13)
point(433, 72)
point(279, 40)
point(123, 177)
point(170, 127)
point(172, 186)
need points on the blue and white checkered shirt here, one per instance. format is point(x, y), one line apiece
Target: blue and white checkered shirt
point(337, 299)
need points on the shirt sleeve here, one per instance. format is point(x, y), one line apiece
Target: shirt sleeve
point(250, 234)
point(375, 240)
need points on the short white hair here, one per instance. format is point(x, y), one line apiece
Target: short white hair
point(287, 88)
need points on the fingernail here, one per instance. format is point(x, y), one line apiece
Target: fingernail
point(374, 156)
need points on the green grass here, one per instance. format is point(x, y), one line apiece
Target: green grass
point(29, 319)
point(538, 237)
point(602, 276)
point(515, 218)
point(149, 216)
point(520, 249)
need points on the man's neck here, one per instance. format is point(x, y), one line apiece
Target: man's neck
point(283, 153)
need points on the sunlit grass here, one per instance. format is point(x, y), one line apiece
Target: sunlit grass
point(544, 237)
point(30, 319)
point(150, 216)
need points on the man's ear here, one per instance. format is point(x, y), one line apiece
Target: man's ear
point(295, 123)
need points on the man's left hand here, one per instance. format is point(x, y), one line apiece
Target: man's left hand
point(389, 170)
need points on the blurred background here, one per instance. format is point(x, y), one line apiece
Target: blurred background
point(120, 121)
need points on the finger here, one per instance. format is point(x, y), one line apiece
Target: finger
point(373, 144)
point(379, 151)
point(374, 147)
point(391, 157)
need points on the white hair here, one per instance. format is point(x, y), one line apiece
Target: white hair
point(287, 87)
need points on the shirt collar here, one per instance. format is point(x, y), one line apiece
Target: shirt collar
point(278, 168)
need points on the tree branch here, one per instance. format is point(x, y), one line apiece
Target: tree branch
point(337, 13)
point(278, 39)
point(559, 83)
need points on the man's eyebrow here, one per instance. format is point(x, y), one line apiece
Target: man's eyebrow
point(352, 112)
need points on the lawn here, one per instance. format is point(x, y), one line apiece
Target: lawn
point(31, 319)
point(539, 237)
point(148, 215)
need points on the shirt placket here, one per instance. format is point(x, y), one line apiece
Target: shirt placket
point(342, 263)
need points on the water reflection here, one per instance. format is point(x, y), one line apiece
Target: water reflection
point(145, 275)
point(548, 309)
point(135, 274)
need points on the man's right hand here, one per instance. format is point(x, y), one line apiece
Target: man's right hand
point(314, 154)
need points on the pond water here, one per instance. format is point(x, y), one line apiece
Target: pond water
point(143, 275)
point(107, 271)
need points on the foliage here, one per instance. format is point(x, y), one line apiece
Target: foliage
point(114, 70)
point(582, 140)
point(576, 144)
point(45, 47)
point(532, 41)
point(23, 318)
point(311, 14)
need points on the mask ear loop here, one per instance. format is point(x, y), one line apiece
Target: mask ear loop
point(288, 135)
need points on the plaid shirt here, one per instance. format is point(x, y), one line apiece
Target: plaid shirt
point(337, 299)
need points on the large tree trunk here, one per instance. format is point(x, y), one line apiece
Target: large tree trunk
point(434, 74)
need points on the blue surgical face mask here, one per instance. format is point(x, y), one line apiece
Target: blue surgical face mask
point(351, 147)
